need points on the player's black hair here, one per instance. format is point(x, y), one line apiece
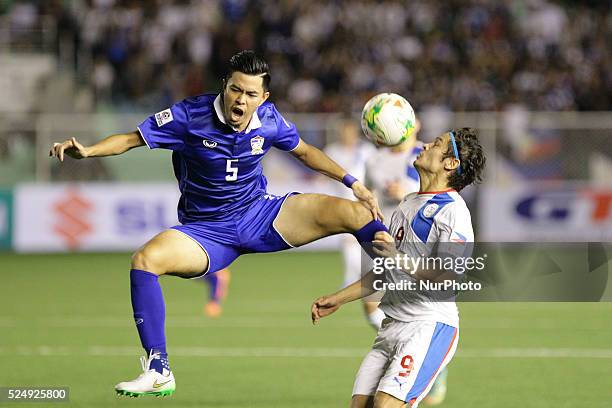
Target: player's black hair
point(471, 158)
point(250, 63)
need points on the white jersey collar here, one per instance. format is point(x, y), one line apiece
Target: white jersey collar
point(449, 190)
point(255, 123)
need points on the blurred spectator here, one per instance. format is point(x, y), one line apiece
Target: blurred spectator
point(333, 55)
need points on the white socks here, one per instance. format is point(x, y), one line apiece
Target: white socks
point(375, 318)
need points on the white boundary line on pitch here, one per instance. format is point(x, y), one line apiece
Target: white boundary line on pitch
point(295, 352)
point(274, 322)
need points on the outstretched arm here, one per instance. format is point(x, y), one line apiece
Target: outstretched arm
point(322, 163)
point(326, 305)
point(318, 161)
point(110, 146)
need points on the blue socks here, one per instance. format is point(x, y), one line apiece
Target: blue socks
point(367, 232)
point(365, 235)
point(149, 315)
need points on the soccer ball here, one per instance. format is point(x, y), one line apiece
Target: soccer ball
point(387, 119)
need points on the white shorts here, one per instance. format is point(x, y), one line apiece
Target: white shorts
point(406, 359)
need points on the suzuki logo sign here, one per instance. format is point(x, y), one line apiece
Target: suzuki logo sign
point(71, 218)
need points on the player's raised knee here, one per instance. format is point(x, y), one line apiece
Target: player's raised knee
point(148, 259)
point(344, 214)
point(358, 215)
point(349, 215)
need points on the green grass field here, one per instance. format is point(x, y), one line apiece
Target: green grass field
point(65, 320)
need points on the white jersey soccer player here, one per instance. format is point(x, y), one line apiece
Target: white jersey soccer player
point(420, 334)
point(390, 174)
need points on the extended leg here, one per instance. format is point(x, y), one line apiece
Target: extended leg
point(307, 217)
point(168, 252)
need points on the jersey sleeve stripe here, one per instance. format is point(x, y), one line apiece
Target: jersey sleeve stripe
point(143, 137)
point(295, 147)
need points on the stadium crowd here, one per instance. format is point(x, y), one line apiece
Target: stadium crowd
point(331, 55)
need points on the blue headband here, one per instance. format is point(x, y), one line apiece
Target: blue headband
point(452, 139)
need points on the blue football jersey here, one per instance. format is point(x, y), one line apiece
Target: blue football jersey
point(218, 169)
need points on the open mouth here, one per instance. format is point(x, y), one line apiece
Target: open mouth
point(237, 113)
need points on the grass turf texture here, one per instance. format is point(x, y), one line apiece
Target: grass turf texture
point(65, 320)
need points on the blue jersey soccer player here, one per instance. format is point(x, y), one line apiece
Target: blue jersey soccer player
point(217, 143)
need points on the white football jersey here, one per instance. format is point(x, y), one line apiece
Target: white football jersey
point(386, 166)
point(353, 160)
point(419, 224)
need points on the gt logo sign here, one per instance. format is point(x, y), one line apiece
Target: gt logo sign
point(603, 202)
point(552, 206)
point(563, 212)
point(558, 206)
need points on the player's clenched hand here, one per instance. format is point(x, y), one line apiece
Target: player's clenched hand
point(384, 244)
point(367, 198)
point(70, 147)
point(323, 306)
point(383, 236)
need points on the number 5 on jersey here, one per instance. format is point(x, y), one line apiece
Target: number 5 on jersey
point(232, 171)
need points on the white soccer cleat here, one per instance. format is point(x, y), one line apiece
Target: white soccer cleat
point(150, 382)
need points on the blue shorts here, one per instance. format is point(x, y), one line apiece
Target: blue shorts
point(224, 241)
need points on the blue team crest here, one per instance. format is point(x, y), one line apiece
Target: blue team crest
point(257, 143)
